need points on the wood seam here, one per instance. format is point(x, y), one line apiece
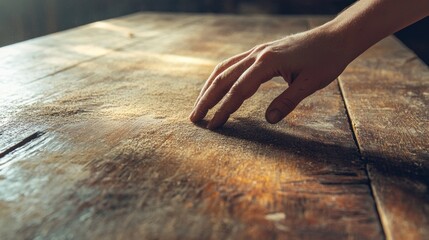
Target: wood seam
point(361, 157)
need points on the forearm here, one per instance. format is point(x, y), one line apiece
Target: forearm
point(368, 21)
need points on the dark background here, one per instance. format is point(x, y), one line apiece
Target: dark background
point(25, 19)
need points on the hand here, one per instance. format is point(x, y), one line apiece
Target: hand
point(307, 61)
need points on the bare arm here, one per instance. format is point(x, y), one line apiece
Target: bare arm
point(368, 21)
point(307, 61)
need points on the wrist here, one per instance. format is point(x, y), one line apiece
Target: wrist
point(345, 46)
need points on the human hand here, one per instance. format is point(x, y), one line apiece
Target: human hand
point(307, 61)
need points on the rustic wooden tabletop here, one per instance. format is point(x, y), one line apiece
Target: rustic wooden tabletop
point(95, 141)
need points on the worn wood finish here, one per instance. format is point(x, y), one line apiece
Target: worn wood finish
point(103, 148)
point(22, 65)
point(386, 91)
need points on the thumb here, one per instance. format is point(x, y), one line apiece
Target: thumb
point(286, 102)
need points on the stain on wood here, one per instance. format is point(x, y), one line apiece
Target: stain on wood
point(119, 159)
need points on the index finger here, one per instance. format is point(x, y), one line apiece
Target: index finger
point(219, 69)
point(244, 88)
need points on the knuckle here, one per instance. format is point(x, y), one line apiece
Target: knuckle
point(219, 67)
point(265, 54)
point(236, 92)
point(215, 84)
point(259, 48)
point(218, 80)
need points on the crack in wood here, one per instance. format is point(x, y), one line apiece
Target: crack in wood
point(20, 144)
point(354, 134)
point(351, 182)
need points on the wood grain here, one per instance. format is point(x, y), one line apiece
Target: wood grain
point(115, 156)
point(386, 92)
point(23, 65)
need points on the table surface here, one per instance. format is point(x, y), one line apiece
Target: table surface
point(95, 141)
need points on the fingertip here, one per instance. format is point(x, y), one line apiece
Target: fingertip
point(197, 115)
point(217, 121)
point(273, 116)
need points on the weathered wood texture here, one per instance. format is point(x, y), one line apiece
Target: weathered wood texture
point(96, 143)
point(386, 91)
point(23, 65)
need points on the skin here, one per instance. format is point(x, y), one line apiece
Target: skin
point(307, 61)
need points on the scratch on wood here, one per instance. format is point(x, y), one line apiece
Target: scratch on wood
point(21, 143)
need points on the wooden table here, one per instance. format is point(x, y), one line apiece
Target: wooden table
point(95, 141)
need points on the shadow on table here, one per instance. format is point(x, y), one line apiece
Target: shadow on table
point(394, 167)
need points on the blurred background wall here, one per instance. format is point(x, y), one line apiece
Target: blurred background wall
point(25, 19)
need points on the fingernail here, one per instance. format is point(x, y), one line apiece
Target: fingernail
point(194, 116)
point(274, 116)
point(197, 115)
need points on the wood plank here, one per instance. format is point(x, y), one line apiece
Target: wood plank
point(18, 92)
point(23, 64)
point(386, 91)
point(46, 55)
point(119, 158)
